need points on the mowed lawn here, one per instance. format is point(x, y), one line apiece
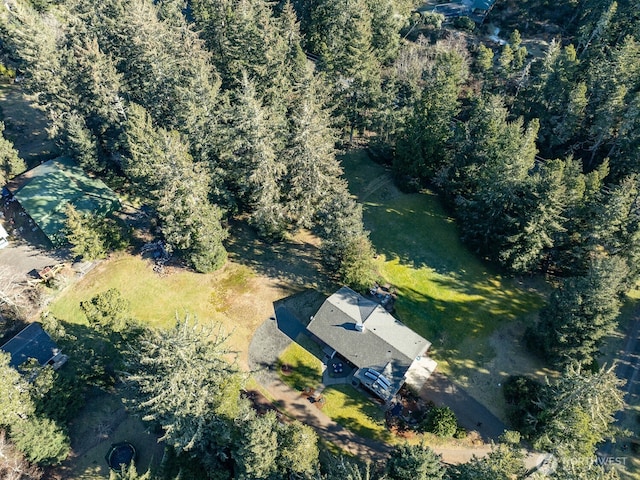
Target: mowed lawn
point(158, 300)
point(356, 412)
point(445, 293)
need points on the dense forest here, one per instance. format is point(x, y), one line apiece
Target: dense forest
point(209, 110)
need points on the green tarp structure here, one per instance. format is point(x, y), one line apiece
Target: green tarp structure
point(48, 188)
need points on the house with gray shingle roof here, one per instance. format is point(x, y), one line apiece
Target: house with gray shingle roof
point(382, 349)
point(33, 342)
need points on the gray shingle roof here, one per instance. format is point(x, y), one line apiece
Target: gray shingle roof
point(386, 344)
point(31, 342)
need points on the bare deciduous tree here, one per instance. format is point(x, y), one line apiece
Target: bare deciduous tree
point(13, 465)
point(17, 297)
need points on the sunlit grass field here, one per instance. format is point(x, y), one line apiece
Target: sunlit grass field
point(158, 300)
point(445, 293)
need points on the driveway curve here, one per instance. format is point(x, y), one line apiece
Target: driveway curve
point(269, 340)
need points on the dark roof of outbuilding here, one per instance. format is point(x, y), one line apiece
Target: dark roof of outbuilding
point(386, 344)
point(31, 342)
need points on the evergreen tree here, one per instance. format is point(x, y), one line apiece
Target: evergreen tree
point(97, 87)
point(519, 51)
point(346, 248)
point(84, 235)
point(16, 404)
point(41, 440)
point(34, 40)
point(583, 311)
point(182, 380)
point(80, 143)
point(414, 462)
point(386, 22)
point(341, 34)
point(256, 457)
point(345, 468)
point(129, 472)
point(10, 163)
point(578, 412)
point(297, 449)
point(586, 469)
point(504, 462)
point(250, 156)
point(311, 164)
point(423, 150)
point(107, 311)
point(542, 217)
point(490, 179)
point(484, 58)
point(506, 58)
point(179, 189)
point(553, 95)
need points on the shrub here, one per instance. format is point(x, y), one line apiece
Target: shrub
point(108, 311)
point(522, 394)
point(433, 19)
point(511, 437)
point(460, 433)
point(7, 72)
point(464, 23)
point(441, 421)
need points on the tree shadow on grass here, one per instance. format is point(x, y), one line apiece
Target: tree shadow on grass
point(367, 411)
point(472, 312)
point(291, 262)
point(298, 375)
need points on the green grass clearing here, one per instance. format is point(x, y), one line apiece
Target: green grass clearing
point(156, 300)
point(446, 294)
point(303, 356)
point(356, 412)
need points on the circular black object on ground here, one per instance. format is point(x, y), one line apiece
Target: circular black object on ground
point(120, 454)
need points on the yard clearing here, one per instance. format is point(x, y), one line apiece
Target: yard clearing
point(235, 296)
point(444, 293)
point(464, 307)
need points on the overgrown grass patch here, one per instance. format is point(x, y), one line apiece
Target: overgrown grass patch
point(445, 293)
point(299, 365)
point(356, 412)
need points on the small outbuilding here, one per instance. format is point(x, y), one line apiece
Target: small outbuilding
point(45, 191)
point(384, 351)
point(33, 342)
